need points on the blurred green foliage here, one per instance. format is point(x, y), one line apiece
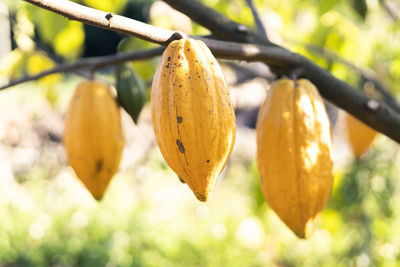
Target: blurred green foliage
point(149, 218)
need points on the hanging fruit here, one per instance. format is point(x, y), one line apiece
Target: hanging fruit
point(192, 114)
point(360, 136)
point(93, 136)
point(131, 93)
point(294, 153)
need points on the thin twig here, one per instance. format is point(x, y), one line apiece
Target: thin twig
point(245, 73)
point(367, 74)
point(90, 63)
point(393, 14)
point(260, 26)
point(221, 49)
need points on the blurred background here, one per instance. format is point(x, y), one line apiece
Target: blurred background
point(148, 217)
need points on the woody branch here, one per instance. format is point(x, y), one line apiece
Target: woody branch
point(253, 47)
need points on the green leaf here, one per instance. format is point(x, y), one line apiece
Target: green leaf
point(69, 42)
point(360, 6)
point(48, 24)
point(114, 6)
point(326, 5)
point(131, 93)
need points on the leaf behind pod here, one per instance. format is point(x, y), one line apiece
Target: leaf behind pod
point(131, 93)
point(360, 6)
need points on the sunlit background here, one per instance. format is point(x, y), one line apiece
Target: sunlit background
point(148, 217)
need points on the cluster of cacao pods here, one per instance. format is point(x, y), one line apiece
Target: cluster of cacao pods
point(192, 114)
point(194, 125)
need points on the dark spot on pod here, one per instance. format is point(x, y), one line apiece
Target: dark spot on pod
point(208, 161)
point(201, 197)
point(180, 85)
point(179, 56)
point(167, 66)
point(198, 76)
point(99, 166)
point(179, 119)
point(180, 179)
point(189, 78)
point(188, 49)
point(180, 146)
point(169, 59)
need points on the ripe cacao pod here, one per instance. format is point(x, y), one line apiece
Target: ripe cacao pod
point(131, 93)
point(192, 114)
point(93, 136)
point(360, 136)
point(294, 153)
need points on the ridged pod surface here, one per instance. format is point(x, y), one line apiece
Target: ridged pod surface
point(93, 136)
point(294, 154)
point(360, 136)
point(192, 114)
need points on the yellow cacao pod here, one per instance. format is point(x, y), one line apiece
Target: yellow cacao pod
point(192, 114)
point(360, 136)
point(294, 154)
point(93, 136)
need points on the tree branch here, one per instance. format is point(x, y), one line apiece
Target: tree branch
point(220, 26)
point(260, 26)
point(105, 20)
point(338, 92)
point(389, 10)
point(364, 73)
point(221, 49)
point(90, 63)
point(245, 73)
point(380, 116)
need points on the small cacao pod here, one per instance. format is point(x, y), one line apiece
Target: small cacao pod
point(131, 93)
point(294, 153)
point(93, 136)
point(192, 114)
point(360, 136)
